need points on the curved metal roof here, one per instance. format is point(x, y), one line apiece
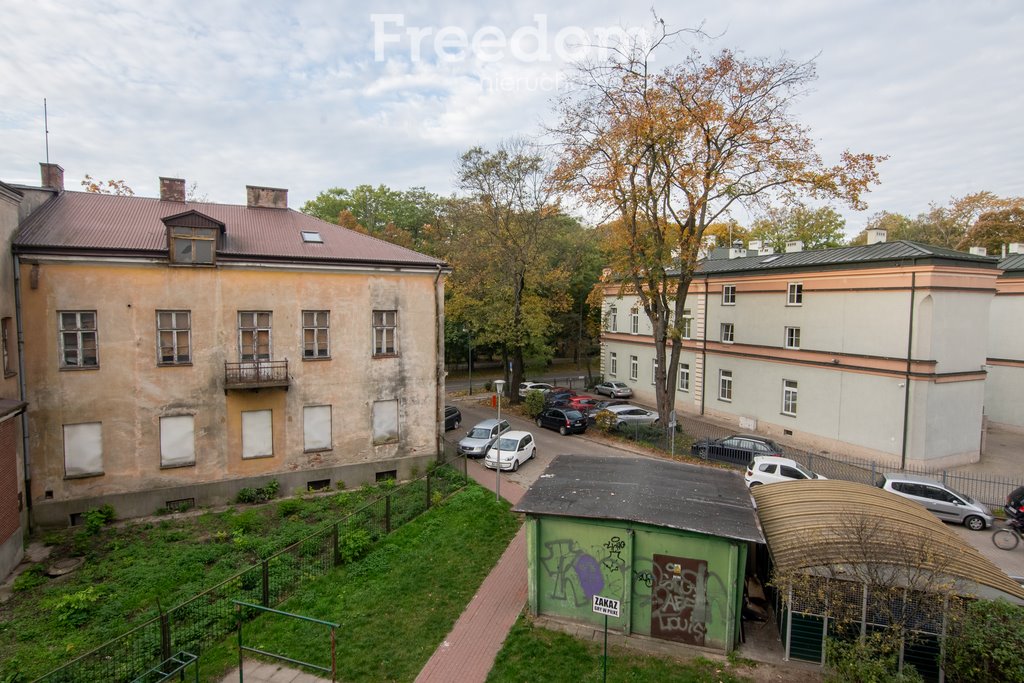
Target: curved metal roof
point(813, 524)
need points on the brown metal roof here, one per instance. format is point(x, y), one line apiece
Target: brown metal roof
point(74, 221)
point(807, 526)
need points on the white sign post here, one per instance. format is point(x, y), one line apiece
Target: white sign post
point(609, 607)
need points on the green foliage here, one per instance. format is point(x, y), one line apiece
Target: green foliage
point(30, 578)
point(875, 659)
point(534, 403)
point(606, 421)
point(352, 545)
point(290, 507)
point(816, 228)
point(247, 522)
point(74, 609)
point(258, 495)
point(987, 644)
point(97, 518)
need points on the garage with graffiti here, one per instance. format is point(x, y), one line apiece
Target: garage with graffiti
point(671, 542)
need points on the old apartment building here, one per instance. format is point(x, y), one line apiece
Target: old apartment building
point(877, 351)
point(177, 351)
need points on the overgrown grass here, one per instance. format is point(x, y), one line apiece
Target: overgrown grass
point(536, 654)
point(128, 569)
point(396, 605)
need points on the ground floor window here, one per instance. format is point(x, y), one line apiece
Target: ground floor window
point(789, 397)
point(83, 449)
point(385, 421)
point(257, 433)
point(634, 368)
point(316, 428)
point(684, 377)
point(177, 441)
point(725, 385)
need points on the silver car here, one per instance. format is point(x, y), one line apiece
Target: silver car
point(479, 439)
point(940, 500)
point(628, 415)
point(614, 389)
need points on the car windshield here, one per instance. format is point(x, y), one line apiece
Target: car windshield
point(573, 414)
point(618, 385)
point(480, 433)
point(508, 444)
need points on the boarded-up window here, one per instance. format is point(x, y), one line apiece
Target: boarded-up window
point(177, 441)
point(385, 421)
point(83, 449)
point(316, 426)
point(257, 433)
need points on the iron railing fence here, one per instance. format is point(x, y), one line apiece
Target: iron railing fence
point(210, 616)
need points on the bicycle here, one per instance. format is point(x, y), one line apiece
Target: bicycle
point(1008, 537)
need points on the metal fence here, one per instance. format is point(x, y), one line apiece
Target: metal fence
point(210, 616)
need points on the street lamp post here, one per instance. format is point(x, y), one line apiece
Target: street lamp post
point(499, 384)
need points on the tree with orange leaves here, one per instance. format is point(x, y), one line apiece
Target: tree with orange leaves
point(664, 154)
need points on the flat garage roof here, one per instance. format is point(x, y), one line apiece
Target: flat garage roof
point(652, 491)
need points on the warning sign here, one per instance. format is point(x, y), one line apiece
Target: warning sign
point(607, 606)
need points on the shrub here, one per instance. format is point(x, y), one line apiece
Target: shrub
point(287, 508)
point(258, 495)
point(987, 644)
point(488, 385)
point(30, 578)
point(353, 545)
point(534, 403)
point(97, 518)
point(606, 421)
point(875, 659)
point(73, 609)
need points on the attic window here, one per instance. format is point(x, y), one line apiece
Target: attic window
point(311, 237)
point(772, 258)
point(193, 245)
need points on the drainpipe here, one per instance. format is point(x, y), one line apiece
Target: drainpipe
point(906, 381)
point(704, 350)
point(22, 389)
point(439, 367)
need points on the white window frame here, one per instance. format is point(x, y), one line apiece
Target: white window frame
point(83, 450)
point(385, 421)
point(795, 294)
point(314, 419)
point(177, 441)
point(728, 295)
point(634, 368)
point(253, 326)
point(684, 377)
point(74, 338)
point(259, 425)
point(634, 321)
point(789, 397)
point(654, 371)
point(687, 331)
point(613, 319)
point(728, 333)
point(792, 340)
point(725, 385)
point(385, 333)
point(613, 363)
point(316, 335)
point(176, 326)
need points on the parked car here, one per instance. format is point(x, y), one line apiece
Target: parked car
point(601, 405)
point(628, 415)
point(769, 469)
point(738, 449)
point(480, 438)
point(558, 396)
point(1015, 503)
point(584, 404)
point(452, 418)
point(940, 500)
point(565, 420)
point(527, 387)
point(614, 389)
point(515, 448)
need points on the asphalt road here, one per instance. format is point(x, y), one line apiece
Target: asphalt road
point(551, 443)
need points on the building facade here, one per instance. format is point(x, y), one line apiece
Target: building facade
point(177, 352)
point(1003, 399)
point(857, 350)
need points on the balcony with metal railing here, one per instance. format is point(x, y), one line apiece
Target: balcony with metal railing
point(256, 374)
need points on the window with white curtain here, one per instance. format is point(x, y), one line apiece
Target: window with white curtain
point(177, 441)
point(257, 433)
point(83, 449)
point(316, 428)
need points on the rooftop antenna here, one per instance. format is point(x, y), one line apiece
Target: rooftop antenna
point(46, 131)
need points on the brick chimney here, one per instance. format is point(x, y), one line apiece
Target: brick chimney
point(265, 197)
point(172, 189)
point(53, 176)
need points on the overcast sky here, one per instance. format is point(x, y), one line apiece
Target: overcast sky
point(309, 95)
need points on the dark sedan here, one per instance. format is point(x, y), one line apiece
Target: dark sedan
point(565, 420)
point(738, 449)
point(452, 418)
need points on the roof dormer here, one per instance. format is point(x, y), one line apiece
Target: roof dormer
point(193, 238)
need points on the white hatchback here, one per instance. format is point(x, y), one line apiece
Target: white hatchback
point(769, 469)
point(515, 449)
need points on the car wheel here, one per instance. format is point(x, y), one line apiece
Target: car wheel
point(539, 423)
point(703, 452)
point(515, 464)
point(756, 483)
point(974, 523)
point(561, 430)
point(456, 425)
